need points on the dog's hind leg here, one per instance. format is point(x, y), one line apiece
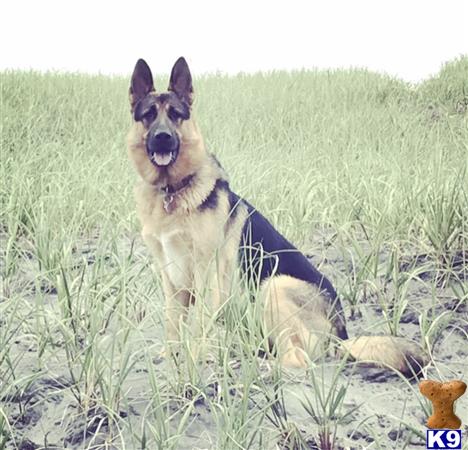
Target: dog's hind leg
point(295, 325)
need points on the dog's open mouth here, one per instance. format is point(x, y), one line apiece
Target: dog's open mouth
point(163, 159)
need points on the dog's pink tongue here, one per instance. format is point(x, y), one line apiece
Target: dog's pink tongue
point(162, 159)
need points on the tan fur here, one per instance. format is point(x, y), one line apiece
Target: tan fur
point(386, 351)
point(301, 321)
point(196, 252)
point(299, 329)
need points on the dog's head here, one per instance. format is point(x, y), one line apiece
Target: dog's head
point(164, 141)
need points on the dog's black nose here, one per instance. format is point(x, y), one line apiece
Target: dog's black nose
point(162, 137)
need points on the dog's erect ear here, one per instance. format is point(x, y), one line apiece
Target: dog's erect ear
point(181, 80)
point(142, 82)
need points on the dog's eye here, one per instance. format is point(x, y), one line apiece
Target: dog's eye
point(174, 114)
point(179, 113)
point(151, 114)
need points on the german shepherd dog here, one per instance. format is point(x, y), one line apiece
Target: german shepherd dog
point(201, 233)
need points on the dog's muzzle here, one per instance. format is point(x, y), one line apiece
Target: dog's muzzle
point(162, 148)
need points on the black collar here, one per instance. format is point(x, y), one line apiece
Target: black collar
point(175, 188)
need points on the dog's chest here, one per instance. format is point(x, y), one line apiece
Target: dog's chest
point(176, 255)
point(183, 244)
point(172, 246)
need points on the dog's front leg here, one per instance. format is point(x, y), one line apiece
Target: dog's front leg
point(176, 310)
point(214, 289)
point(206, 308)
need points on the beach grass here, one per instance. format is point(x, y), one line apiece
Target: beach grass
point(366, 173)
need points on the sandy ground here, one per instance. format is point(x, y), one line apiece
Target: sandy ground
point(378, 401)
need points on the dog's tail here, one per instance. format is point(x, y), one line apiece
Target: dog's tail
point(386, 351)
point(391, 352)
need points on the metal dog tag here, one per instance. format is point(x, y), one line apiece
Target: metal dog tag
point(168, 203)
